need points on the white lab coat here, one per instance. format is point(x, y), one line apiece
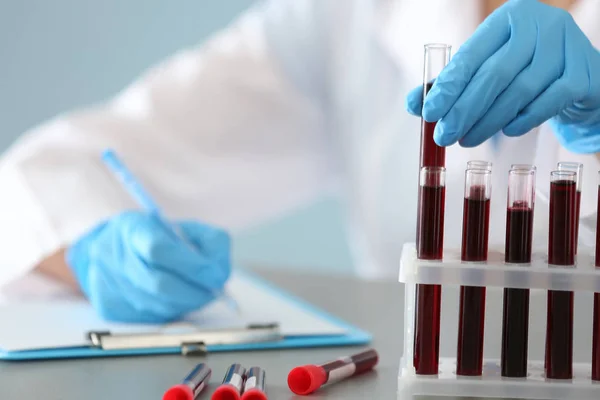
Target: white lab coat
point(295, 99)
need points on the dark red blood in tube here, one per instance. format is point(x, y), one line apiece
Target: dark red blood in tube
point(596, 339)
point(576, 223)
point(515, 326)
point(560, 335)
point(469, 359)
point(561, 249)
point(432, 155)
point(476, 216)
point(430, 237)
point(430, 234)
point(475, 228)
point(596, 330)
point(519, 234)
point(427, 329)
point(559, 329)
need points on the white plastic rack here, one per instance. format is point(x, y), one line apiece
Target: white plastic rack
point(495, 273)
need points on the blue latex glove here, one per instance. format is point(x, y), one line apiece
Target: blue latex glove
point(132, 269)
point(527, 63)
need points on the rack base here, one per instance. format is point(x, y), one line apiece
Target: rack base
point(493, 385)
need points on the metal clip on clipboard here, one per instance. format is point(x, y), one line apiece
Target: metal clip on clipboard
point(191, 343)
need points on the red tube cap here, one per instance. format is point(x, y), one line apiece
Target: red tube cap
point(179, 392)
point(226, 392)
point(254, 394)
point(306, 379)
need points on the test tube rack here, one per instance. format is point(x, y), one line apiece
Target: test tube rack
point(495, 273)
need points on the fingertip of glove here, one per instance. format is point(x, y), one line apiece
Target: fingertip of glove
point(413, 103)
point(468, 143)
point(512, 130)
point(412, 109)
point(443, 138)
point(430, 113)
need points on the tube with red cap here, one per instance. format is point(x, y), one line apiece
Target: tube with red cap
point(232, 385)
point(306, 379)
point(192, 385)
point(254, 385)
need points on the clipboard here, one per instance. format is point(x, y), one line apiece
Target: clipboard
point(266, 335)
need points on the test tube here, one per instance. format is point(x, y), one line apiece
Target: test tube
point(478, 164)
point(527, 167)
point(254, 385)
point(596, 329)
point(437, 57)
point(578, 169)
point(191, 387)
point(561, 252)
point(232, 385)
point(519, 239)
point(306, 379)
point(430, 243)
point(476, 222)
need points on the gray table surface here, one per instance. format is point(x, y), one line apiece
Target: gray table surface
point(376, 307)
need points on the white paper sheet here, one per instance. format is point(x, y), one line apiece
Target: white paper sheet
point(38, 314)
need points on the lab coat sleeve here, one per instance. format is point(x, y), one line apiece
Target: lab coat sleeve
point(235, 124)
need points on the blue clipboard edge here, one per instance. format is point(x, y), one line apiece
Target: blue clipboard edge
point(354, 336)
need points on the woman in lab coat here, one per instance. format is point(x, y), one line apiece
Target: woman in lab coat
point(293, 100)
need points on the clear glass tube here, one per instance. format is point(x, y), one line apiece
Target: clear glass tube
point(437, 56)
point(476, 223)
point(519, 239)
point(521, 196)
point(478, 164)
point(596, 330)
point(575, 167)
point(430, 240)
point(559, 325)
point(523, 166)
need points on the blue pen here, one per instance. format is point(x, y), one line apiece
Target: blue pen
point(135, 190)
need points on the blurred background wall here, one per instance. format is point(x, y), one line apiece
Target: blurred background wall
point(61, 54)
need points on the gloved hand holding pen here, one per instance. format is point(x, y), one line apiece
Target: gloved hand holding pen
point(139, 267)
point(526, 64)
point(133, 269)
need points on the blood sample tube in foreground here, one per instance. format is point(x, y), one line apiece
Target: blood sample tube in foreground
point(596, 330)
point(430, 243)
point(306, 379)
point(476, 222)
point(578, 169)
point(192, 385)
point(519, 239)
point(254, 385)
point(561, 252)
point(437, 57)
point(231, 388)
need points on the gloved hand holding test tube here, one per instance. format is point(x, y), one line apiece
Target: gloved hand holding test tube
point(139, 194)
